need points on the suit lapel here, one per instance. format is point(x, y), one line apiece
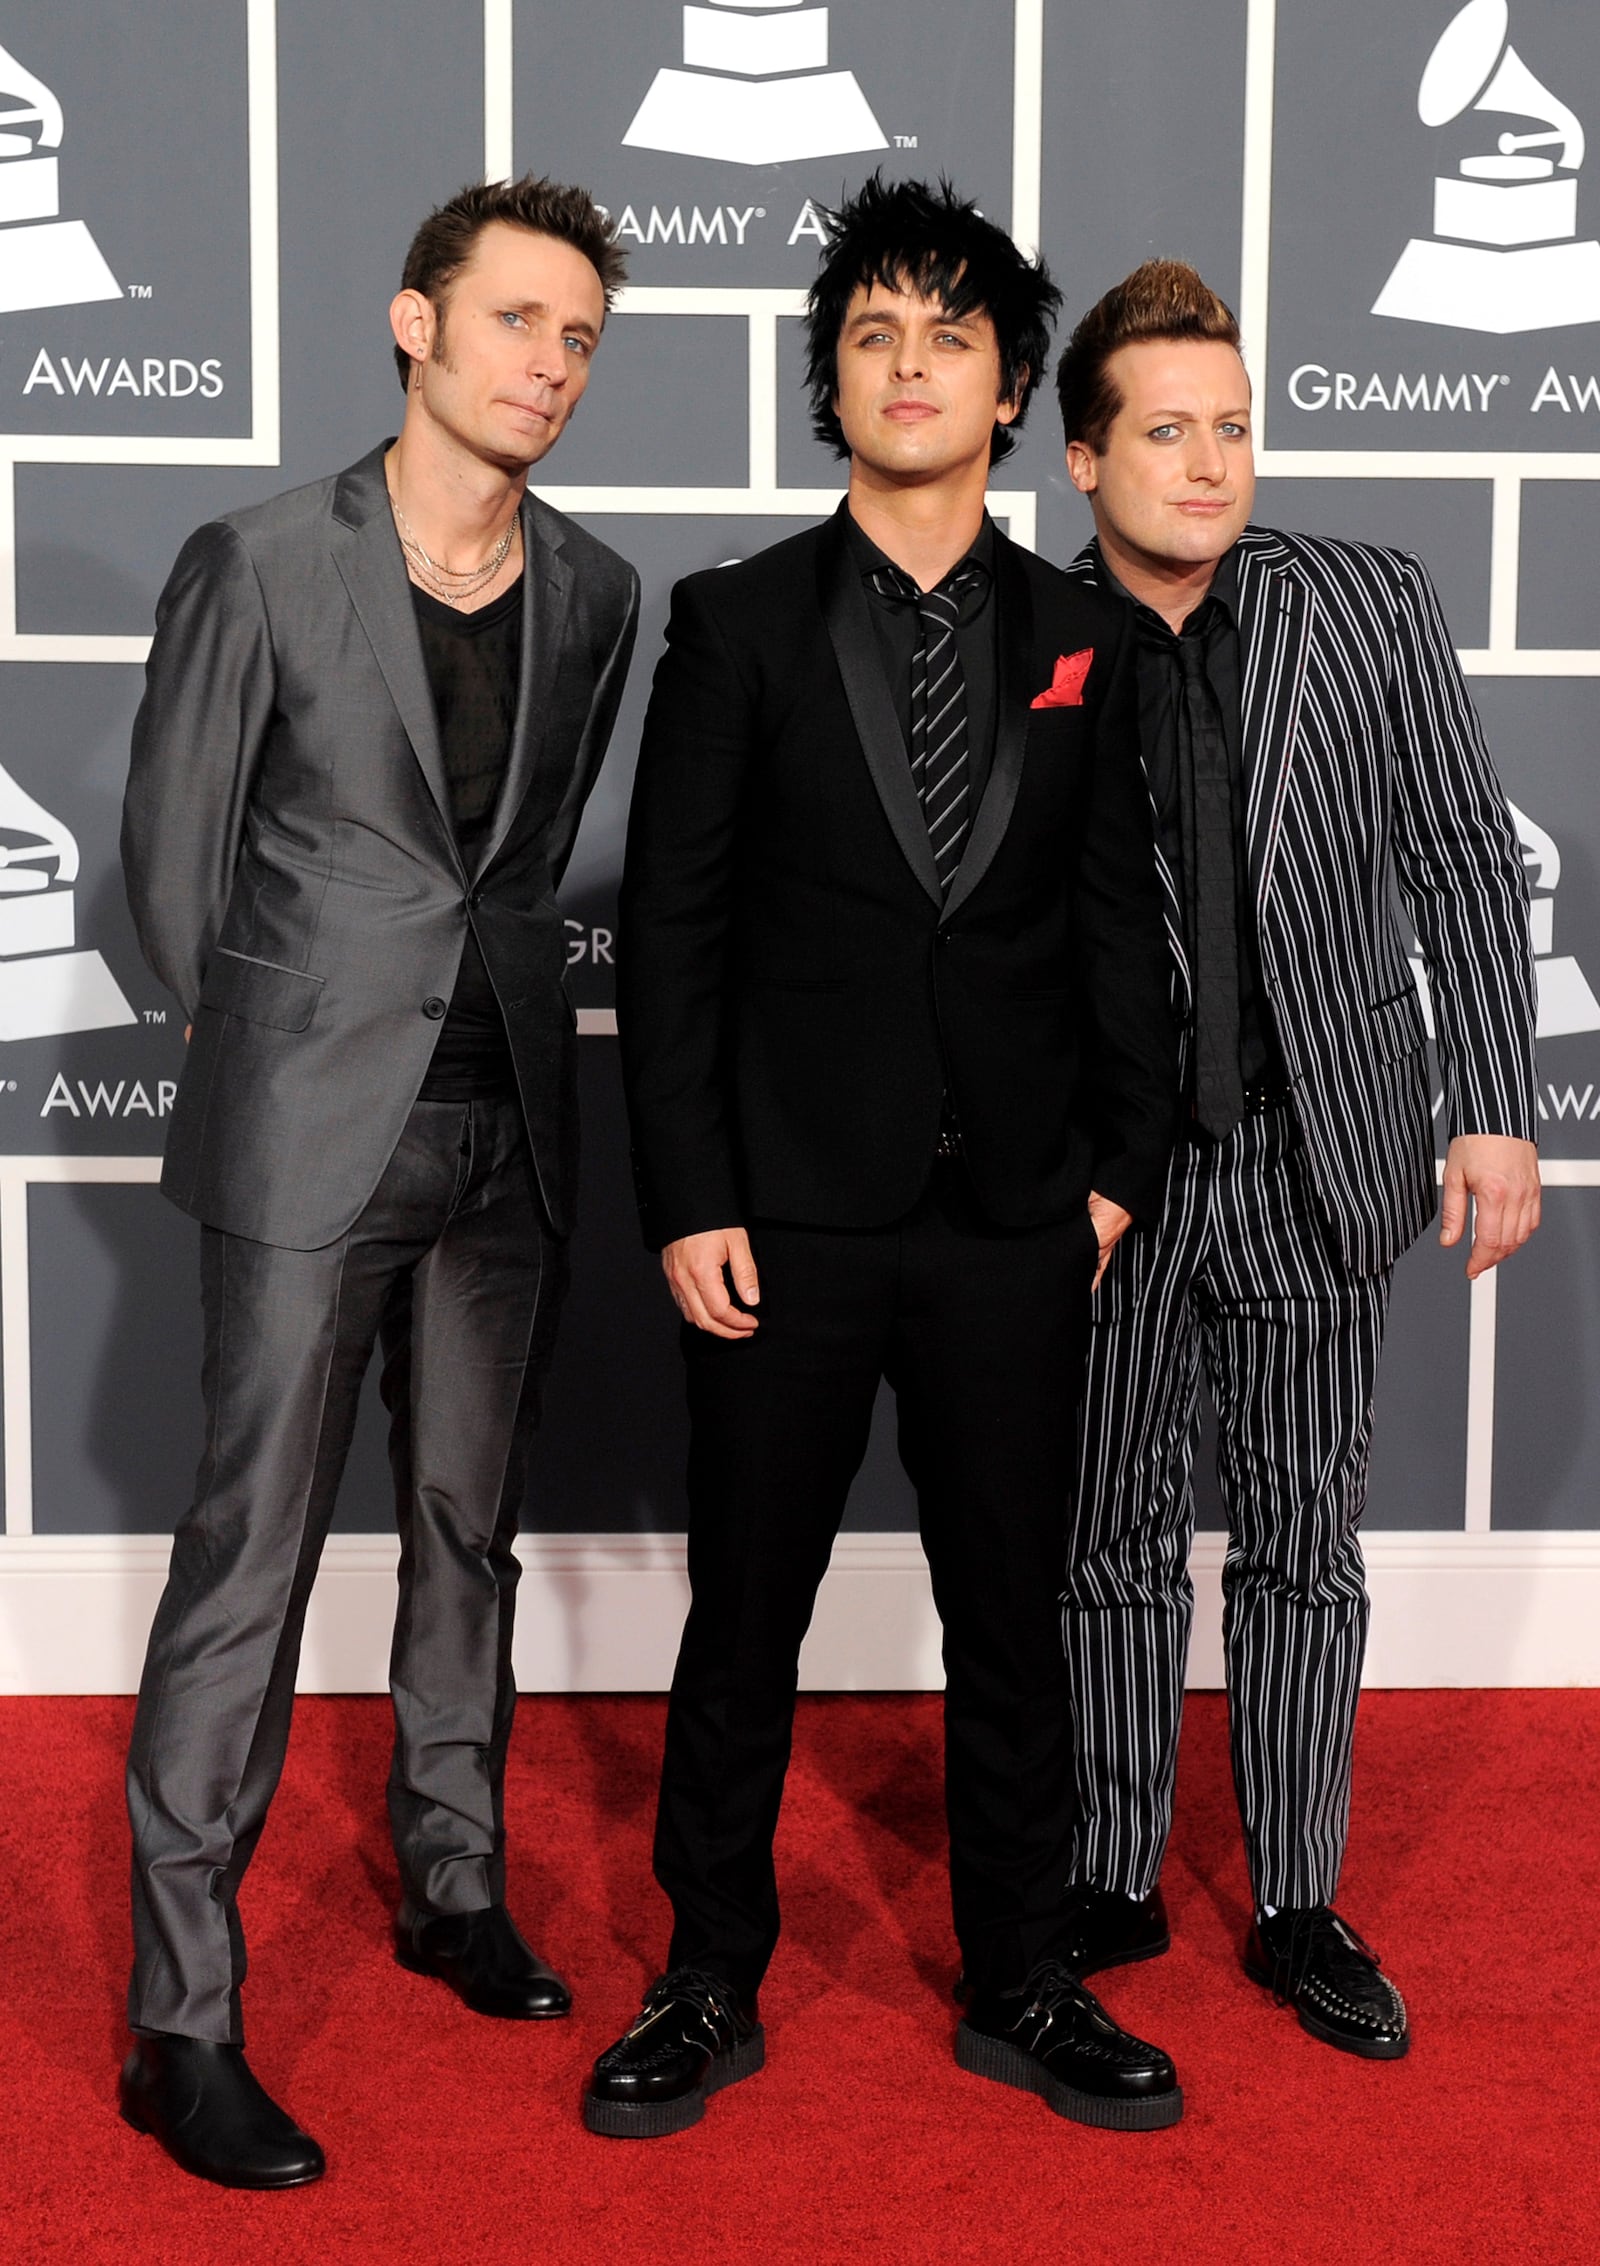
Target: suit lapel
point(1275, 612)
point(1015, 653)
point(367, 553)
point(855, 648)
point(546, 596)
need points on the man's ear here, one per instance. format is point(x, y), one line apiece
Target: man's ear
point(411, 318)
point(1083, 467)
point(1007, 411)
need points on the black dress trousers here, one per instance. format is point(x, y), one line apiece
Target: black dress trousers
point(982, 1334)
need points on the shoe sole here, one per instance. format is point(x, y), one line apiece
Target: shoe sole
point(983, 2056)
point(200, 2171)
point(1366, 2049)
point(651, 2120)
point(416, 1966)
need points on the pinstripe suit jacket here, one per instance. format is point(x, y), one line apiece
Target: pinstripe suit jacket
point(1365, 765)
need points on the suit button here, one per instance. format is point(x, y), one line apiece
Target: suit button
point(474, 900)
point(433, 1009)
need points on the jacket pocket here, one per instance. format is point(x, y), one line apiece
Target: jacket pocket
point(1396, 1026)
point(259, 991)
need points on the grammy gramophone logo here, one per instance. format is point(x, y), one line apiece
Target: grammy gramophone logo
point(755, 89)
point(44, 261)
point(1567, 1004)
point(47, 986)
point(1504, 254)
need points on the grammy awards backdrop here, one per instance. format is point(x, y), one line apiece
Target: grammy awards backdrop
point(203, 209)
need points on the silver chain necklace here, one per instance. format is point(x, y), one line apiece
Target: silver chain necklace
point(451, 584)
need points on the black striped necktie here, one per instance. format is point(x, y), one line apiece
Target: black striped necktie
point(940, 767)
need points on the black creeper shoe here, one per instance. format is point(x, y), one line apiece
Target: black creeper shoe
point(691, 2038)
point(1054, 2038)
point(1315, 1962)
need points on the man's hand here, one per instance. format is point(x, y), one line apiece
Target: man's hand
point(1111, 1224)
point(693, 1268)
point(1502, 1178)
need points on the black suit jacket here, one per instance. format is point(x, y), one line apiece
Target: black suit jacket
point(794, 998)
point(292, 863)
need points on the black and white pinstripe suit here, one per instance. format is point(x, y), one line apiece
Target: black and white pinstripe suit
point(1364, 766)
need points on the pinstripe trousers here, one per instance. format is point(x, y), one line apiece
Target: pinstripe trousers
point(1242, 1274)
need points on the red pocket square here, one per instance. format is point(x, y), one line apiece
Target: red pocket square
point(1066, 686)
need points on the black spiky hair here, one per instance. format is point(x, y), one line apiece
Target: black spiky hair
point(920, 236)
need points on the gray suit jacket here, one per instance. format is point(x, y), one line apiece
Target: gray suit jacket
point(291, 861)
point(1364, 760)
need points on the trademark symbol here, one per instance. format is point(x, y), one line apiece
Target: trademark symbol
point(141, 291)
point(155, 1014)
point(905, 141)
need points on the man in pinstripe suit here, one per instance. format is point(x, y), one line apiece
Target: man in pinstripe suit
point(1307, 734)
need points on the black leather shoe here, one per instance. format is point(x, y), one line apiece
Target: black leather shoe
point(1100, 1929)
point(1104, 1929)
point(692, 2038)
point(1054, 2038)
point(1315, 1962)
point(201, 2101)
point(484, 1960)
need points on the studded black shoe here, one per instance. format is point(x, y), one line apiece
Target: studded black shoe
point(691, 2039)
point(1315, 1962)
point(1054, 2038)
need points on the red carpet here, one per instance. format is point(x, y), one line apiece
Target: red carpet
point(1476, 1867)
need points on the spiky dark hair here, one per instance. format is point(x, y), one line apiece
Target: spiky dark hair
point(922, 237)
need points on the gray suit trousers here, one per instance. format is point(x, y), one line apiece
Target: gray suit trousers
point(451, 1267)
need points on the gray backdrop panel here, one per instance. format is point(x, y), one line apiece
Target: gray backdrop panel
point(1143, 133)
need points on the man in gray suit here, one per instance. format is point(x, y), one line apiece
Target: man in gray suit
point(374, 709)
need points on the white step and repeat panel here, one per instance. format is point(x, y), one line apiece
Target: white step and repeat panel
point(203, 209)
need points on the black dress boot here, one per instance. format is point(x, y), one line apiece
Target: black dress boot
point(201, 2101)
point(483, 1958)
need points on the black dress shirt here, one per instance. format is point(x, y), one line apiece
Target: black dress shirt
point(1164, 732)
point(896, 623)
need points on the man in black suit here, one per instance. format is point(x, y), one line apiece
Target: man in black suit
point(375, 707)
point(1308, 736)
point(899, 1065)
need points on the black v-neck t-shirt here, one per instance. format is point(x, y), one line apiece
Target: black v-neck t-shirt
point(474, 668)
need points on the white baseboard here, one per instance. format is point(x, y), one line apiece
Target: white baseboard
point(601, 1613)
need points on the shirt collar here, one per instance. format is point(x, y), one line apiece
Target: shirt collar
point(869, 559)
point(1224, 588)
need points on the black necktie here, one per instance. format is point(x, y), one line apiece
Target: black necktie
point(1218, 1087)
point(939, 758)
